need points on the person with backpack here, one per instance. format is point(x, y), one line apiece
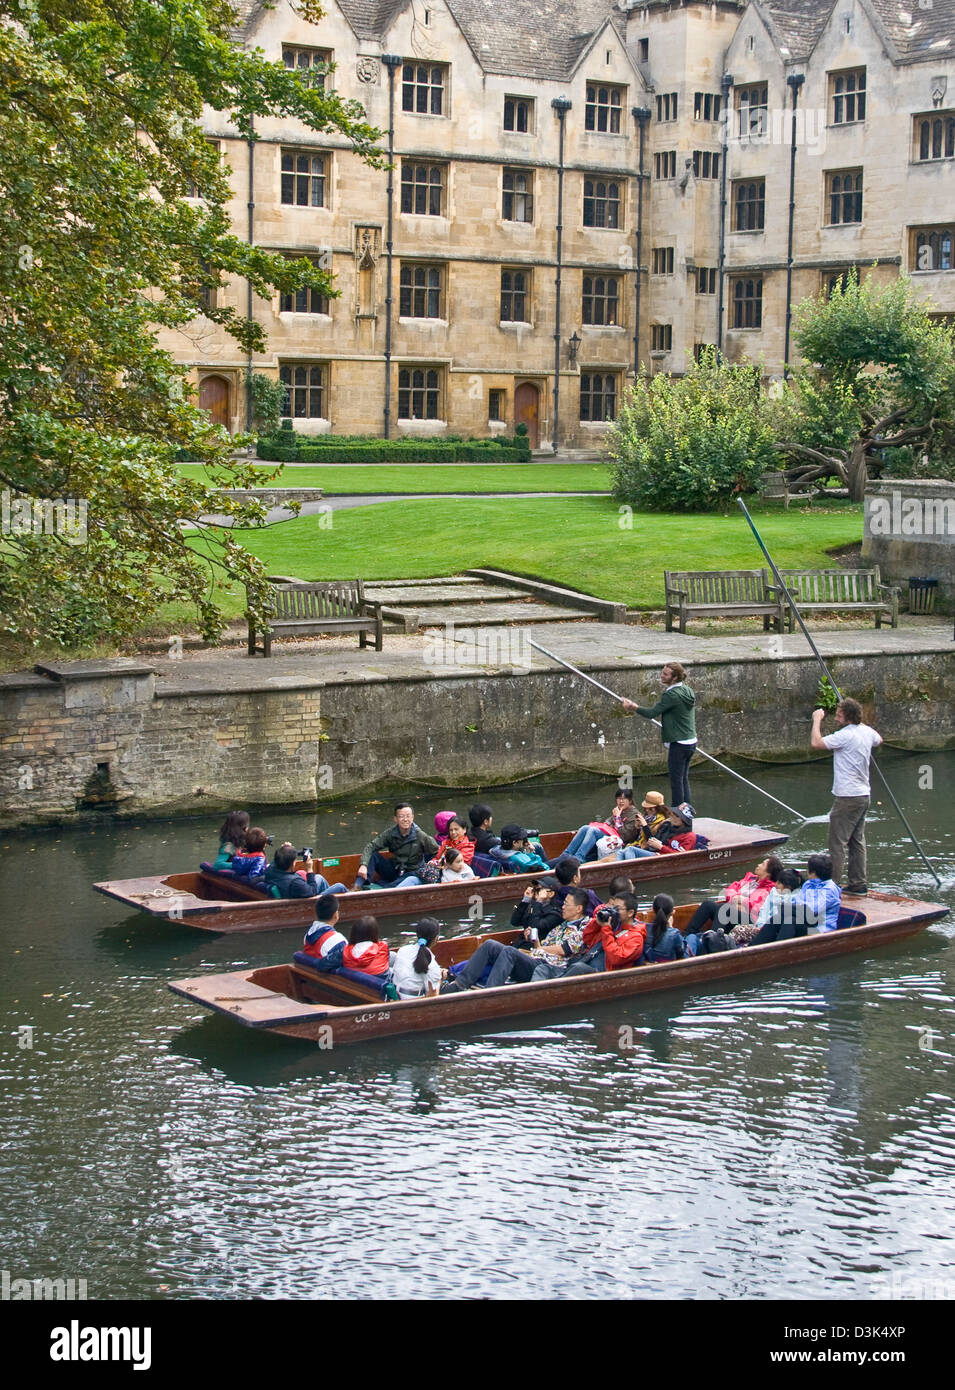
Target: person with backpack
point(416, 971)
point(664, 940)
point(675, 710)
point(409, 846)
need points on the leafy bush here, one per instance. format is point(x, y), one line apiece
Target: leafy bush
point(691, 443)
point(268, 397)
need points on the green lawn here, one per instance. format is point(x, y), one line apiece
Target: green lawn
point(577, 541)
point(411, 478)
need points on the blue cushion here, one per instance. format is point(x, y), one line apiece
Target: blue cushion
point(849, 917)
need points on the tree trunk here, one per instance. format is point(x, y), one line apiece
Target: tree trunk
point(857, 473)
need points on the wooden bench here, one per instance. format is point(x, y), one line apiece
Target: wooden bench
point(847, 591)
point(300, 610)
point(721, 594)
point(774, 486)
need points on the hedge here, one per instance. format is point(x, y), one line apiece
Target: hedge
point(382, 453)
point(289, 448)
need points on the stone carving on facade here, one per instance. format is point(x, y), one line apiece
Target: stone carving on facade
point(939, 88)
point(368, 68)
point(367, 255)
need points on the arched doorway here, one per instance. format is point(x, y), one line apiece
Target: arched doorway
point(214, 397)
point(527, 410)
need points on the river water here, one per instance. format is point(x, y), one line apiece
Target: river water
point(788, 1135)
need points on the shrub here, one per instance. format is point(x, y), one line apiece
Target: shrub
point(288, 447)
point(691, 443)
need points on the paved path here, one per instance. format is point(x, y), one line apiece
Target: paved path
point(342, 502)
point(605, 647)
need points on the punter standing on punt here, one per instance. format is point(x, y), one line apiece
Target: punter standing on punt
point(851, 747)
point(675, 710)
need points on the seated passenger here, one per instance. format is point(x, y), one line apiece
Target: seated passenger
point(517, 853)
point(567, 874)
point(324, 943)
point(613, 938)
point(538, 912)
point(511, 964)
point(737, 906)
point(283, 880)
point(455, 836)
point(453, 867)
point(664, 940)
point(676, 835)
point(250, 861)
point(481, 820)
point(822, 897)
point(648, 823)
point(552, 963)
point(232, 835)
point(367, 958)
point(620, 821)
point(781, 916)
point(416, 972)
point(410, 848)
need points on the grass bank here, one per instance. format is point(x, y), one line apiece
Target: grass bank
point(579, 541)
point(369, 478)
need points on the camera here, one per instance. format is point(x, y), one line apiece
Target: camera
point(269, 839)
point(608, 915)
point(307, 854)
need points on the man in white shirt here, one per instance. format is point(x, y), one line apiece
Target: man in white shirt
point(851, 747)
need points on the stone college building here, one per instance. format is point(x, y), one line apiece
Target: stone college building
point(579, 189)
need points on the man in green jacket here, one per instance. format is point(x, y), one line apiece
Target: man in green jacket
point(675, 710)
point(409, 847)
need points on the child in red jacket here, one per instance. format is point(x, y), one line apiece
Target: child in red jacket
point(366, 957)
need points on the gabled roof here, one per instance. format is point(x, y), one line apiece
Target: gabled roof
point(520, 38)
point(912, 34)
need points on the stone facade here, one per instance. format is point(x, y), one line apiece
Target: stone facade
point(113, 738)
point(472, 352)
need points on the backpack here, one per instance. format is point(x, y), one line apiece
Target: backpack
point(714, 940)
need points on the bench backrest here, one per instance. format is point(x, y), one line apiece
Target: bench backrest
point(342, 599)
point(719, 586)
point(833, 586)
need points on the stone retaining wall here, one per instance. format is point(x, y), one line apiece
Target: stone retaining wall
point(109, 738)
point(909, 530)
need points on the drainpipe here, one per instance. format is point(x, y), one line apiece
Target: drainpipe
point(642, 115)
point(561, 105)
point(794, 81)
point(392, 62)
point(250, 237)
point(726, 83)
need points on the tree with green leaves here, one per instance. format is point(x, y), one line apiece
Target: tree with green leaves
point(101, 146)
point(691, 443)
point(878, 375)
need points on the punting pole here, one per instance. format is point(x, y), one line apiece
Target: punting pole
point(584, 677)
point(829, 677)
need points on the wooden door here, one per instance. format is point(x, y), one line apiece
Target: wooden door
point(526, 410)
point(214, 397)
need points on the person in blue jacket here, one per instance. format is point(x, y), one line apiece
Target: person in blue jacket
point(821, 896)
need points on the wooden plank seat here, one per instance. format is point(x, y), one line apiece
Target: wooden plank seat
point(339, 988)
point(845, 591)
point(776, 485)
point(721, 594)
point(301, 610)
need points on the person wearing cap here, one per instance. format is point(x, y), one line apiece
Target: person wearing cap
point(518, 853)
point(539, 909)
point(675, 710)
point(676, 834)
point(509, 965)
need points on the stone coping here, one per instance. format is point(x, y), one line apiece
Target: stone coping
point(592, 646)
point(93, 670)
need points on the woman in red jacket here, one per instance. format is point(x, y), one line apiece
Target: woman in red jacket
point(738, 905)
point(367, 958)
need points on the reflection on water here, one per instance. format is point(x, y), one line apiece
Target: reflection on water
point(777, 1136)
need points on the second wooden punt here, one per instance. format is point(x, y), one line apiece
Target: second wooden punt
point(297, 1002)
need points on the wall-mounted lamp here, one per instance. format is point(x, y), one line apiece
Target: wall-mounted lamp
point(573, 345)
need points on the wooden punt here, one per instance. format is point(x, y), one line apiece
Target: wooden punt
point(297, 1002)
point(213, 903)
